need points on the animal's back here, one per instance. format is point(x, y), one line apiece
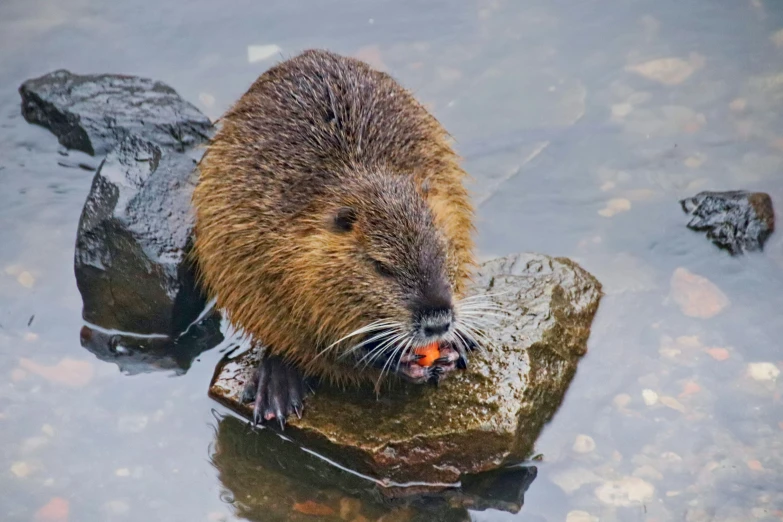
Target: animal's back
point(307, 119)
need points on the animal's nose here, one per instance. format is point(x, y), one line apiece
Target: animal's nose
point(433, 309)
point(436, 325)
point(435, 322)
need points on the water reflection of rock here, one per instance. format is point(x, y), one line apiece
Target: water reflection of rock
point(134, 355)
point(270, 478)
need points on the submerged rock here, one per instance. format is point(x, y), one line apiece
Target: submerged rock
point(477, 420)
point(94, 113)
point(737, 221)
point(131, 262)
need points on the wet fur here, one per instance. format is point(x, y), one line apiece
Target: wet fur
point(309, 131)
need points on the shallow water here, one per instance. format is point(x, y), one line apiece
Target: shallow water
point(574, 153)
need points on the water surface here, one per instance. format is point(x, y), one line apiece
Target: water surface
point(580, 146)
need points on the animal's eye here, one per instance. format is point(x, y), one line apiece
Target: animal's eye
point(382, 268)
point(344, 219)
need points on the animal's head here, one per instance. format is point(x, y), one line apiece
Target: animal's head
point(377, 269)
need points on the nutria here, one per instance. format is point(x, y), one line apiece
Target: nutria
point(333, 227)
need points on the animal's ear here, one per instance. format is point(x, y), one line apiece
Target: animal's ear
point(344, 219)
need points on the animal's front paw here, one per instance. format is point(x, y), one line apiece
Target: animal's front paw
point(277, 391)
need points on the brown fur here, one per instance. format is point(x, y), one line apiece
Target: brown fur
point(312, 134)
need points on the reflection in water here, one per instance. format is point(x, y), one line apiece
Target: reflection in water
point(136, 354)
point(267, 477)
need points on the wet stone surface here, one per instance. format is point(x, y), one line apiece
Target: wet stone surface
point(737, 221)
point(131, 261)
point(475, 421)
point(94, 113)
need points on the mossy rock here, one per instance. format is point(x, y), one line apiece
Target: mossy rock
point(479, 419)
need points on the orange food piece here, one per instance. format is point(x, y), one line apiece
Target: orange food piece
point(430, 354)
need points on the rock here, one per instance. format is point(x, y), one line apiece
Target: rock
point(626, 492)
point(648, 472)
point(68, 372)
point(763, 371)
point(622, 400)
point(668, 71)
point(690, 388)
point(671, 457)
point(584, 444)
point(615, 206)
point(26, 279)
point(94, 113)
point(737, 221)
point(719, 354)
point(134, 237)
point(650, 397)
point(21, 469)
point(580, 516)
point(671, 402)
point(134, 233)
point(56, 510)
point(572, 479)
point(259, 53)
point(476, 420)
point(349, 508)
point(621, 110)
point(696, 296)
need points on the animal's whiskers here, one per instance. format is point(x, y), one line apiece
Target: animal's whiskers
point(377, 351)
point(392, 341)
point(383, 325)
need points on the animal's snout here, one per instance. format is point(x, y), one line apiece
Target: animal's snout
point(435, 324)
point(433, 310)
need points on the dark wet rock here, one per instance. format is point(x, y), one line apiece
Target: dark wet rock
point(135, 355)
point(94, 113)
point(273, 477)
point(132, 265)
point(737, 221)
point(475, 421)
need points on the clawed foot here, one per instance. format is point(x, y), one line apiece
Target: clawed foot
point(277, 391)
